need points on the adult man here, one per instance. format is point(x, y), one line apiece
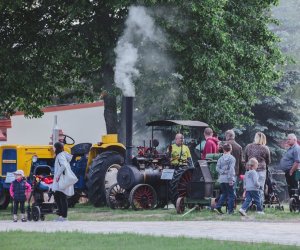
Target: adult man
point(211, 144)
point(289, 162)
point(236, 152)
point(180, 154)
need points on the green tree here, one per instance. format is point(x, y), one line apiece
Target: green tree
point(222, 48)
point(227, 56)
point(53, 48)
point(276, 116)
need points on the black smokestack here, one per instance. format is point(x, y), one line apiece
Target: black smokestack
point(129, 121)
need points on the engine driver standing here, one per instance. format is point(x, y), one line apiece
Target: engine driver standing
point(180, 153)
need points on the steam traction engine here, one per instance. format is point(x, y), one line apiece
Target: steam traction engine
point(139, 182)
point(141, 187)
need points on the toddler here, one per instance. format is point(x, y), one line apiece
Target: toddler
point(251, 187)
point(19, 190)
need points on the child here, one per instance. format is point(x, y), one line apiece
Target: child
point(251, 187)
point(225, 168)
point(19, 191)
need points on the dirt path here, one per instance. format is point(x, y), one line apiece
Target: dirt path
point(280, 233)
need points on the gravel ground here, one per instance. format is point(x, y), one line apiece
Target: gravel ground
point(279, 233)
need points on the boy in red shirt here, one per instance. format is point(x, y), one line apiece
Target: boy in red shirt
point(211, 145)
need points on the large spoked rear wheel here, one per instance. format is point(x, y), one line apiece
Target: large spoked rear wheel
point(180, 206)
point(102, 175)
point(178, 185)
point(117, 197)
point(143, 196)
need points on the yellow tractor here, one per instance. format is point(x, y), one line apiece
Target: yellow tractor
point(96, 166)
point(104, 161)
point(25, 157)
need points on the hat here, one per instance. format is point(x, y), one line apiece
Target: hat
point(20, 172)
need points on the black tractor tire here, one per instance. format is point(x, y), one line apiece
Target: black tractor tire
point(181, 177)
point(97, 173)
point(4, 199)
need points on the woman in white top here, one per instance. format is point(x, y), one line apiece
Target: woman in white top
point(62, 161)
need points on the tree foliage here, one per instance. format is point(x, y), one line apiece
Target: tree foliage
point(276, 116)
point(223, 49)
point(51, 50)
point(227, 55)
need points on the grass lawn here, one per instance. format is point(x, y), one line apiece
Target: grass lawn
point(87, 212)
point(24, 240)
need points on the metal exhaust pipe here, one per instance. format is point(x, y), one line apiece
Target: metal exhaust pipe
point(129, 125)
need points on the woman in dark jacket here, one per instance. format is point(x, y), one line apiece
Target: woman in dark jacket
point(261, 152)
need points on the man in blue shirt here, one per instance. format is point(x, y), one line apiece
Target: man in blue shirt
point(290, 162)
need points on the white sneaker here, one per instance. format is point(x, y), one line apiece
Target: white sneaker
point(62, 219)
point(242, 212)
point(260, 212)
point(58, 218)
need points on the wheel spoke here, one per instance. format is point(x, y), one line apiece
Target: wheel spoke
point(143, 196)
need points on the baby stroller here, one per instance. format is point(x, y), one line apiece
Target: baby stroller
point(42, 195)
point(271, 193)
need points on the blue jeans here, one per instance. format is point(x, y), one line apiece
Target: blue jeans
point(252, 196)
point(262, 175)
point(226, 195)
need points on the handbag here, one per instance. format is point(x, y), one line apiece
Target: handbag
point(67, 178)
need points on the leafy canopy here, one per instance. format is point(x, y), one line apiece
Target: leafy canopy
point(227, 55)
point(224, 50)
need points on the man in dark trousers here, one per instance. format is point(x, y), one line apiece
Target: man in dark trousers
point(236, 152)
point(290, 162)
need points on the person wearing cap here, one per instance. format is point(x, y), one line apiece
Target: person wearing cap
point(19, 191)
point(62, 161)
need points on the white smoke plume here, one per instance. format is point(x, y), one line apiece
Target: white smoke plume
point(140, 28)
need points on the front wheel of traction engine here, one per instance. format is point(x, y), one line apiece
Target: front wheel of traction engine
point(102, 175)
point(143, 196)
point(117, 197)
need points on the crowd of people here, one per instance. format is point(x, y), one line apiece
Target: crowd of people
point(229, 166)
point(252, 162)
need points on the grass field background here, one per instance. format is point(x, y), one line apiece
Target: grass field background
point(36, 241)
point(87, 212)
